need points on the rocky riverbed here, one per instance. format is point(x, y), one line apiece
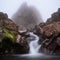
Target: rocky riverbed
point(49, 33)
point(15, 40)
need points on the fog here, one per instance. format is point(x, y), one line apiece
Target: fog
point(45, 7)
point(27, 16)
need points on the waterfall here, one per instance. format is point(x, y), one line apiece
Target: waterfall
point(34, 46)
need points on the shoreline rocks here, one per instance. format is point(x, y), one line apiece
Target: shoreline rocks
point(12, 36)
point(51, 36)
point(8, 37)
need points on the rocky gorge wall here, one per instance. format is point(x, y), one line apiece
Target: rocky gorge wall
point(49, 33)
point(15, 41)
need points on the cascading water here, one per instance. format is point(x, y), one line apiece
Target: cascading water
point(33, 42)
point(34, 46)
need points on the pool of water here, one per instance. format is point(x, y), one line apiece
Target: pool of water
point(33, 55)
point(30, 57)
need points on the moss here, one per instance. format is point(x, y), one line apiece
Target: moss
point(8, 34)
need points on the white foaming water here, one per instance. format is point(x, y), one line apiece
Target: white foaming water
point(34, 46)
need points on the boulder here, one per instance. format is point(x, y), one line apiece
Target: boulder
point(11, 41)
point(3, 15)
point(52, 29)
point(51, 42)
point(54, 17)
point(21, 46)
point(51, 35)
point(38, 30)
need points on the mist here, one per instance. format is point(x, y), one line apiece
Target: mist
point(27, 16)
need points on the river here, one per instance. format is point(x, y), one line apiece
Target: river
point(33, 52)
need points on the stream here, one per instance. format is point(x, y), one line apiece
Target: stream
point(34, 46)
point(33, 52)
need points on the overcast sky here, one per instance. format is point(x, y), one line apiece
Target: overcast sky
point(45, 7)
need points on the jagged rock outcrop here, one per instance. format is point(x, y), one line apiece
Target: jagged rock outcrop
point(51, 36)
point(9, 35)
point(3, 15)
point(38, 30)
point(54, 17)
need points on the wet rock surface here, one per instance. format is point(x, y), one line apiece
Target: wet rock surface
point(11, 40)
point(54, 17)
point(15, 39)
point(51, 36)
point(38, 30)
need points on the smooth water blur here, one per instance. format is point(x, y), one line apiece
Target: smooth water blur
point(33, 52)
point(30, 57)
point(36, 55)
point(34, 46)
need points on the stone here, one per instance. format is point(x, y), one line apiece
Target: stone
point(52, 28)
point(11, 40)
point(3, 15)
point(51, 40)
point(54, 17)
point(38, 30)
